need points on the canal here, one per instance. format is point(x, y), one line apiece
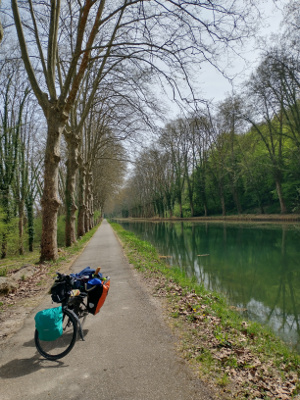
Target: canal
point(256, 266)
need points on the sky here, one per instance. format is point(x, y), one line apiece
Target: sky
point(214, 86)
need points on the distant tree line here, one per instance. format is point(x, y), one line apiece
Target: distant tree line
point(242, 156)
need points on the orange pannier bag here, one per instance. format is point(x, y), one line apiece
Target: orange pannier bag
point(101, 301)
point(97, 294)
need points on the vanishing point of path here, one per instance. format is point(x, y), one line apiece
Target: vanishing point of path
point(128, 352)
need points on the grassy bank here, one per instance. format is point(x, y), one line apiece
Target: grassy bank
point(240, 358)
point(276, 218)
point(65, 255)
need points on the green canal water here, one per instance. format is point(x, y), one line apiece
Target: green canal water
point(256, 266)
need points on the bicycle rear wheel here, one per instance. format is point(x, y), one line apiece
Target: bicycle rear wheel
point(56, 349)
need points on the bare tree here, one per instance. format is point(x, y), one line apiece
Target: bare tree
point(14, 95)
point(57, 107)
point(123, 103)
point(108, 175)
point(173, 139)
point(230, 121)
point(201, 138)
point(65, 38)
point(265, 113)
point(284, 84)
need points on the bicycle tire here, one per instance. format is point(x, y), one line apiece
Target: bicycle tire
point(59, 348)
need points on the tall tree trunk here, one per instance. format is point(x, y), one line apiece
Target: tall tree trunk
point(201, 185)
point(236, 199)
point(72, 167)
point(190, 186)
point(92, 213)
point(190, 194)
point(86, 214)
point(30, 218)
point(180, 208)
point(50, 202)
point(6, 219)
point(203, 199)
point(4, 245)
point(88, 201)
point(222, 199)
point(170, 212)
point(22, 188)
point(280, 197)
point(21, 226)
point(91, 202)
point(81, 199)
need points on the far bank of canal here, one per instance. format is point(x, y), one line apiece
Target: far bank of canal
point(256, 266)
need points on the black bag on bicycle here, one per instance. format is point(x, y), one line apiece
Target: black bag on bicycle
point(59, 292)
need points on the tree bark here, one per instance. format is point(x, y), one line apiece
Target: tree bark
point(280, 197)
point(50, 202)
point(88, 205)
point(21, 226)
point(6, 219)
point(72, 167)
point(235, 196)
point(190, 194)
point(81, 199)
point(180, 208)
point(222, 199)
point(30, 219)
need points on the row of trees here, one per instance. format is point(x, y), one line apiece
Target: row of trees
point(243, 156)
point(20, 183)
point(23, 135)
point(90, 66)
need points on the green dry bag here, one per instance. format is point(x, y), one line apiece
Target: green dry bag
point(49, 323)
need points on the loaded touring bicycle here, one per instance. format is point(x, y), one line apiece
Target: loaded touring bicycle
point(79, 294)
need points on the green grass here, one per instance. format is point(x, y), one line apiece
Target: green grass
point(15, 262)
point(209, 320)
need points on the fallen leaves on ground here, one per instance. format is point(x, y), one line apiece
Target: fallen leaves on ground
point(249, 375)
point(14, 305)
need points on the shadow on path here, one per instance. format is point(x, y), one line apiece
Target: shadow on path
point(26, 366)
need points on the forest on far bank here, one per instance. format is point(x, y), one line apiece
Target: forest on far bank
point(242, 156)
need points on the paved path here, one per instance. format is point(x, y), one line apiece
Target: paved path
point(128, 353)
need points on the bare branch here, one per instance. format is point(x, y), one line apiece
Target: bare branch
point(31, 75)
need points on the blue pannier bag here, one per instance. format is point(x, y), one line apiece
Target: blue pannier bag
point(87, 272)
point(49, 323)
point(93, 282)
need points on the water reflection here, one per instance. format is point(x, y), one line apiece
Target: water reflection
point(256, 266)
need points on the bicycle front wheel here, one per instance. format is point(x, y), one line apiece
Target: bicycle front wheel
point(56, 349)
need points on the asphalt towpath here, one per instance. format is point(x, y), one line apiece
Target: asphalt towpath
point(128, 353)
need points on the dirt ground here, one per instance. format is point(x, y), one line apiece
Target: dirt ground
point(16, 305)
